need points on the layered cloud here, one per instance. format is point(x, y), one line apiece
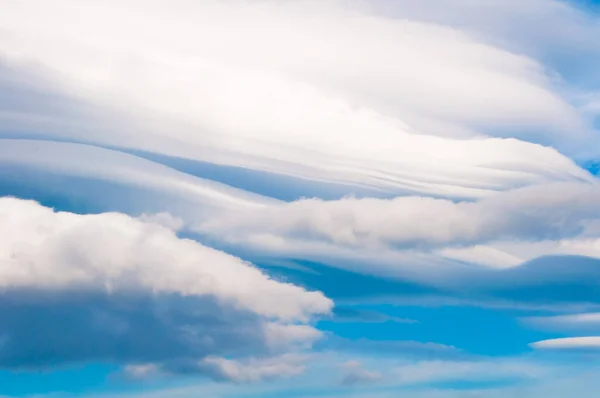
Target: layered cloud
point(108, 287)
point(518, 236)
point(411, 106)
point(106, 180)
point(93, 163)
point(578, 323)
point(585, 328)
point(569, 343)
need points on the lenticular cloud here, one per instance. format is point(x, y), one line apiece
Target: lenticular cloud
point(410, 107)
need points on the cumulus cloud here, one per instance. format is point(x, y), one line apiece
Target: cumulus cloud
point(109, 287)
point(45, 249)
point(536, 213)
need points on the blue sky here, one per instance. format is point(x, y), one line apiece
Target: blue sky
point(299, 199)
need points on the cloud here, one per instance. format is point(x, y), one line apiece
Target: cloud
point(247, 370)
point(391, 348)
point(530, 244)
point(582, 383)
point(109, 287)
point(349, 314)
point(72, 175)
point(52, 247)
point(392, 376)
point(354, 373)
point(92, 163)
point(569, 343)
point(577, 323)
point(141, 371)
point(520, 26)
point(461, 117)
point(416, 114)
point(252, 370)
point(427, 372)
point(550, 211)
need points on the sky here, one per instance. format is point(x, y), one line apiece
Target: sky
point(298, 199)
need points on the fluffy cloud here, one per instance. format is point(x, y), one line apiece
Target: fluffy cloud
point(551, 211)
point(108, 287)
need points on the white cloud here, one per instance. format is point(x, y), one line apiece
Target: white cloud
point(505, 254)
point(253, 370)
point(247, 370)
point(482, 255)
point(437, 100)
point(402, 106)
point(543, 28)
point(119, 283)
point(85, 161)
point(578, 323)
point(164, 219)
point(44, 249)
point(568, 343)
point(283, 335)
point(537, 213)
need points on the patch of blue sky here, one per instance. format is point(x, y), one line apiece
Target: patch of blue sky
point(472, 330)
point(76, 379)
